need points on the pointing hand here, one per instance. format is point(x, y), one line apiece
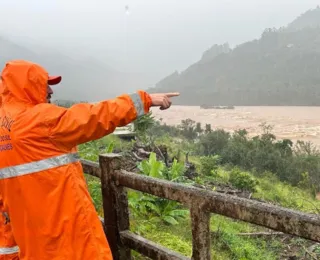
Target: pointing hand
point(162, 100)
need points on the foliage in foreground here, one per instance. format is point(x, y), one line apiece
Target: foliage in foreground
point(153, 208)
point(227, 159)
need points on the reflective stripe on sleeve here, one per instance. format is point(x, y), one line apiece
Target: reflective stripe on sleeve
point(9, 250)
point(38, 166)
point(138, 104)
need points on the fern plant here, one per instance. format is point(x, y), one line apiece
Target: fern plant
point(152, 167)
point(167, 211)
point(154, 208)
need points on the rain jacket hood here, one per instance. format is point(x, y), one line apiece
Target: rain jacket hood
point(24, 82)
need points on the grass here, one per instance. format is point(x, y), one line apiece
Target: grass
point(226, 244)
point(225, 238)
point(271, 189)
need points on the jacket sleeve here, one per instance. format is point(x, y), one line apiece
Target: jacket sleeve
point(86, 122)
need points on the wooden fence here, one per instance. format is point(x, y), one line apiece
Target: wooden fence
point(201, 203)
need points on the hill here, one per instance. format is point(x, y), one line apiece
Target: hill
point(282, 67)
point(83, 78)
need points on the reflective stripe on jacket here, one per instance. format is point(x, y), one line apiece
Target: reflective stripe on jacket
point(6, 251)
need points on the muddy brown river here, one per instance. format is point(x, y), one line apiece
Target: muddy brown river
point(295, 123)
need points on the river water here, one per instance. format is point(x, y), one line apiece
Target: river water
point(295, 123)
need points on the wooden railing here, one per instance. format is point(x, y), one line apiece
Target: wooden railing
point(200, 202)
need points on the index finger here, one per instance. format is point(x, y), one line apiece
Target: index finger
point(174, 94)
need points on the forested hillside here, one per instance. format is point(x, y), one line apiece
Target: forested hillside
point(282, 67)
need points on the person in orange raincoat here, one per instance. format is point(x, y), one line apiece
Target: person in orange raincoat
point(41, 180)
point(8, 247)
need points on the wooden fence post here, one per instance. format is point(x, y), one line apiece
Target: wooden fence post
point(201, 242)
point(115, 206)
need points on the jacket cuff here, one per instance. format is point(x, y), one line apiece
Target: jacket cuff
point(146, 100)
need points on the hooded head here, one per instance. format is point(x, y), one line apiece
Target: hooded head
point(26, 82)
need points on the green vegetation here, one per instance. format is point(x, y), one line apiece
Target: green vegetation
point(251, 167)
point(280, 68)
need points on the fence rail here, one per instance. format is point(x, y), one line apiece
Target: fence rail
point(201, 203)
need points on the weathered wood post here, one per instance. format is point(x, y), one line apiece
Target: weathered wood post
point(200, 222)
point(115, 206)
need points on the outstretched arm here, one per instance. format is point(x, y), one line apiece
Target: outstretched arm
point(86, 122)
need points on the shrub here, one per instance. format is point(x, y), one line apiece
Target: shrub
point(209, 164)
point(243, 180)
point(143, 123)
point(213, 142)
point(189, 129)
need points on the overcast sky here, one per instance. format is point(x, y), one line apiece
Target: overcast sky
point(156, 38)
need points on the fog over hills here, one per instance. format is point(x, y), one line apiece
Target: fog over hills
point(83, 78)
point(101, 50)
point(282, 67)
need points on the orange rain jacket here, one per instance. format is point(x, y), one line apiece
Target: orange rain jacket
point(8, 247)
point(41, 178)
